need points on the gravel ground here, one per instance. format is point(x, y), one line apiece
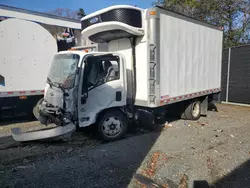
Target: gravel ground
point(212, 152)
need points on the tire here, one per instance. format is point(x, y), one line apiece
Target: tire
point(112, 125)
point(192, 111)
point(36, 108)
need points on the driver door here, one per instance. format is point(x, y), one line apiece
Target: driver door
point(102, 86)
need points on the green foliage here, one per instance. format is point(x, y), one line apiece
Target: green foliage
point(81, 13)
point(233, 15)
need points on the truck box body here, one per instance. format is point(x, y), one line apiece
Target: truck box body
point(27, 50)
point(184, 62)
point(190, 56)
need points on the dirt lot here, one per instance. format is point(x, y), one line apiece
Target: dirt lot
point(212, 152)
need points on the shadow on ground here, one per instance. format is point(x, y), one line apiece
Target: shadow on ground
point(240, 177)
point(84, 161)
point(76, 162)
point(18, 119)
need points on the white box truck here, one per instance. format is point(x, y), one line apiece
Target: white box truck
point(158, 61)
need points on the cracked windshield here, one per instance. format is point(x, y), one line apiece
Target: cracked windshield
point(63, 70)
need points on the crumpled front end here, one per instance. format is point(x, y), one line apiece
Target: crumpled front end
point(57, 108)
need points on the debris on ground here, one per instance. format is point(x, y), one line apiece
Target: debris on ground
point(183, 182)
point(186, 124)
point(219, 130)
point(145, 182)
point(25, 167)
point(232, 136)
point(151, 166)
point(70, 150)
point(209, 164)
point(13, 169)
point(26, 161)
point(168, 125)
point(146, 176)
point(223, 115)
point(202, 124)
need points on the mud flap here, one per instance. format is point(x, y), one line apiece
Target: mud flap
point(20, 136)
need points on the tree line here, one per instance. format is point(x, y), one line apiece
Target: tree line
point(68, 13)
point(232, 15)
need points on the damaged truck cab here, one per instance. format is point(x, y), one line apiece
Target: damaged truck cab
point(81, 84)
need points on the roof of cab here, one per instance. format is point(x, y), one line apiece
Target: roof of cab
point(79, 52)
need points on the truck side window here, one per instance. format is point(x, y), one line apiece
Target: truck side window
point(103, 71)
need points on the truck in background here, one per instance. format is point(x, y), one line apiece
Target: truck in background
point(157, 62)
point(28, 42)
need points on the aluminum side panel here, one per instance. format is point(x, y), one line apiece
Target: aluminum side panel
point(190, 57)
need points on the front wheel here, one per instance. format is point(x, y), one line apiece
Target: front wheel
point(37, 108)
point(112, 125)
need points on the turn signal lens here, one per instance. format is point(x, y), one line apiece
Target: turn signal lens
point(23, 97)
point(152, 13)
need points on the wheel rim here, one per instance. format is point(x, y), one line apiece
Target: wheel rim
point(111, 127)
point(196, 109)
point(36, 111)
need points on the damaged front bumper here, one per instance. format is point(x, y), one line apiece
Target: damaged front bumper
point(50, 133)
point(64, 126)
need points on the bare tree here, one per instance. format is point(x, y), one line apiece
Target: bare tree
point(68, 13)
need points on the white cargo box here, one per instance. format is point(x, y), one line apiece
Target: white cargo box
point(27, 50)
point(190, 57)
point(177, 58)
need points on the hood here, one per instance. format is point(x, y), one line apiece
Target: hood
point(53, 96)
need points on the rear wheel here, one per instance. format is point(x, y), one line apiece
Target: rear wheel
point(112, 125)
point(192, 111)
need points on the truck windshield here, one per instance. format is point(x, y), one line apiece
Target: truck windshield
point(63, 70)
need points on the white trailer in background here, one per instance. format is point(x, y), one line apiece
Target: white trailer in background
point(158, 61)
point(28, 42)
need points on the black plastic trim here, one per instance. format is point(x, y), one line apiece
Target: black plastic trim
point(118, 96)
point(106, 36)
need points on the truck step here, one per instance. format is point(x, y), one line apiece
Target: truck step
point(50, 133)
